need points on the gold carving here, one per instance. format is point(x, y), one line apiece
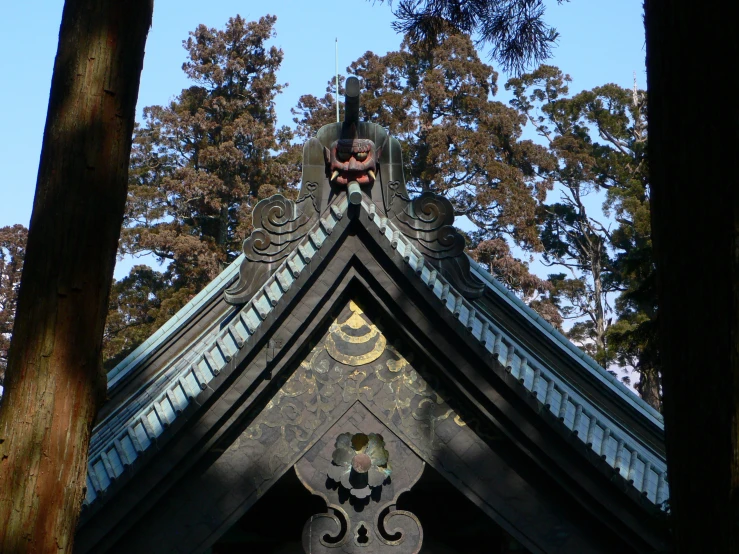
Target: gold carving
point(362, 359)
point(340, 344)
point(336, 330)
point(314, 394)
point(355, 321)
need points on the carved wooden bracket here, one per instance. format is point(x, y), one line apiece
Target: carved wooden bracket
point(279, 223)
point(352, 475)
point(428, 220)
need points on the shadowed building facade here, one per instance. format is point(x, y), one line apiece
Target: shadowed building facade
point(356, 383)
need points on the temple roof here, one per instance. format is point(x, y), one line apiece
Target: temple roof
point(609, 380)
point(146, 404)
point(567, 451)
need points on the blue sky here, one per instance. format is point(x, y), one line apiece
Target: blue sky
point(601, 41)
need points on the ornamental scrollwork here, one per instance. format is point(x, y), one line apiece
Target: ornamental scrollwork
point(353, 363)
point(428, 220)
point(279, 224)
point(362, 490)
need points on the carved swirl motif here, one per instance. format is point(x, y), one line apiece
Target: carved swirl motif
point(449, 238)
point(360, 521)
point(279, 224)
point(433, 210)
point(428, 220)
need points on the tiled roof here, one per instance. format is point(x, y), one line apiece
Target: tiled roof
point(128, 432)
point(180, 319)
point(131, 430)
point(608, 379)
point(634, 460)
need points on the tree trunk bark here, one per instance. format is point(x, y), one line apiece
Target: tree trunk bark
point(54, 382)
point(693, 144)
point(600, 314)
point(648, 387)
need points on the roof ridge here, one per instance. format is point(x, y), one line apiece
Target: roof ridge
point(130, 430)
point(634, 460)
point(125, 435)
point(179, 319)
point(563, 341)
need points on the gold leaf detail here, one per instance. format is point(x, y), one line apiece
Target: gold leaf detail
point(361, 359)
point(372, 333)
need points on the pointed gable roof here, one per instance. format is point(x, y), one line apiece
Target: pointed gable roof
point(183, 392)
point(133, 427)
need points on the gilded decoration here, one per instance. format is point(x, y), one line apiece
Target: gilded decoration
point(354, 362)
point(355, 341)
point(361, 494)
point(359, 463)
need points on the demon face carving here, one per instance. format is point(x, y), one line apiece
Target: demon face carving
point(352, 160)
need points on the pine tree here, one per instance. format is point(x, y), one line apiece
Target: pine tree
point(12, 251)
point(198, 167)
point(515, 30)
point(599, 139)
point(459, 142)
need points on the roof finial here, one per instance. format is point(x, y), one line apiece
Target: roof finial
point(337, 80)
point(351, 103)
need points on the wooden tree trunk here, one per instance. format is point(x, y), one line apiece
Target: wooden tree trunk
point(598, 308)
point(54, 382)
point(648, 387)
point(693, 146)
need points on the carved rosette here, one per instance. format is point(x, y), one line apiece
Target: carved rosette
point(360, 463)
point(361, 518)
point(429, 221)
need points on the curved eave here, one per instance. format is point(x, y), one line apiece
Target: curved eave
point(126, 367)
point(615, 386)
point(136, 424)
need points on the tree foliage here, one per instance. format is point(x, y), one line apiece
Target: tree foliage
point(12, 252)
point(198, 166)
point(599, 140)
point(514, 30)
point(140, 303)
point(201, 163)
point(458, 141)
